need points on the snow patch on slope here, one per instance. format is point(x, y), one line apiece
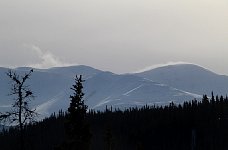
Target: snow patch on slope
point(5, 106)
point(43, 109)
point(104, 101)
point(127, 93)
point(182, 92)
point(188, 93)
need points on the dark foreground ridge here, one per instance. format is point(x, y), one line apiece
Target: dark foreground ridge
point(195, 125)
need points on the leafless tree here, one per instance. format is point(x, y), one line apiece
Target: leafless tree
point(20, 113)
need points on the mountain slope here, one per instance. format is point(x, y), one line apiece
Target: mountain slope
point(71, 71)
point(129, 90)
point(155, 87)
point(189, 77)
point(51, 87)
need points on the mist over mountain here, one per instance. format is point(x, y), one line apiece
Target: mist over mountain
point(158, 86)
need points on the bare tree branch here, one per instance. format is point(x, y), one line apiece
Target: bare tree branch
point(20, 114)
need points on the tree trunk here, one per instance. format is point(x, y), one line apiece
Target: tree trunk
point(20, 119)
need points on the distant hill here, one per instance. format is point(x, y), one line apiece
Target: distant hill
point(189, 77)
point(158, 86)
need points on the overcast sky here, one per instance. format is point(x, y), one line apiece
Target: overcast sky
point(115, 35)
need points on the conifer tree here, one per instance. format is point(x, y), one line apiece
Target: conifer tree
point(108, 138)
point(77, 128)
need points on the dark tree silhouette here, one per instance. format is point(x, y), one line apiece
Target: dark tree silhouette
point(77, 128)
point(108, 139)
point(20, 113)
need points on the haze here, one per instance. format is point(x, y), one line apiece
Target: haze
point(115, 35)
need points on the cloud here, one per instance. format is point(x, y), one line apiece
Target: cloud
point(47, 59)
point(161, 65)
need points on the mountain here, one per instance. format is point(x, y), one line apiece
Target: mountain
point(189, 77)
point(71, 71)
point(123, 91)
point(51, 87)
point(158, 86)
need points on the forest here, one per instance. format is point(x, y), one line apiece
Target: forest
point(193, 125)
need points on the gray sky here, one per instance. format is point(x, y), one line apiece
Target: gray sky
point(115, 35)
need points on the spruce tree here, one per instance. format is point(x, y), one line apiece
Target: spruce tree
point(77, 128)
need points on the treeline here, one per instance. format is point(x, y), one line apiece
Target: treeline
point(193, 125)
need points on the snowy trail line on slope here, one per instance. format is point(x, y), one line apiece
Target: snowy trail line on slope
point(127, 93)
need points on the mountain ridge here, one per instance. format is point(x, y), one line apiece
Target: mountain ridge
point(158, 86)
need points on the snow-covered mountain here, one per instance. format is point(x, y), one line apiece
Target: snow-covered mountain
point(159, 86)
point(51, 87)
point(129, 90)
point(189, 77)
